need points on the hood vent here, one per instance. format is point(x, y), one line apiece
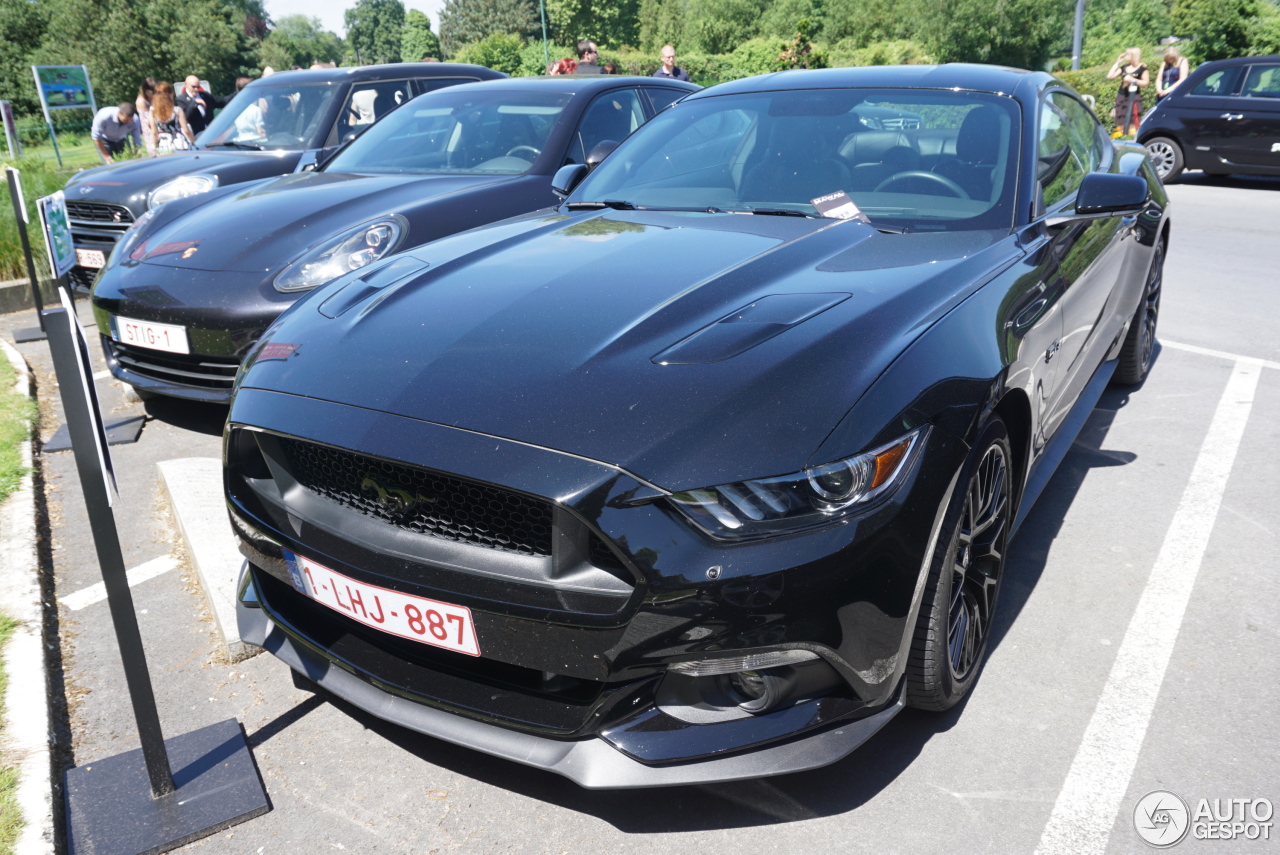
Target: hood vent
point(744, 328)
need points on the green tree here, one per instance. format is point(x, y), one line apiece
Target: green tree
point(374, 28)
point(1220, 27)
point(500, 51)
point(465, 21)
point(299, 40)
point(782, 18)
point(800, 53)
point(661, 22)
point(416, 39)
point(1017, 33)
point(718, 26)
point(867, 21)
point(607, 22)
point(22, 26)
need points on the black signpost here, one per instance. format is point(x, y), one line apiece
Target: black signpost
point(169, 792)
point(20, 216)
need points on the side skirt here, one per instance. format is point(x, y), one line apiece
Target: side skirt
point(1042, 470)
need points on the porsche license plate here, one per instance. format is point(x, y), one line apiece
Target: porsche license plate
point(428, 621)
point(166, 337)
point(91, 258)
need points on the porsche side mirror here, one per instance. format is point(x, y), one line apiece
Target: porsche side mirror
point(600, 152)
point(1104, 194)
point(566, 178)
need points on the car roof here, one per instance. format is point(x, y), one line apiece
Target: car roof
point(983, 78)
point(575, 83)
point(387, 71)
point(1241, 60)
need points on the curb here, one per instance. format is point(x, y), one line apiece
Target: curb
point(194, 486)
point(26, 700)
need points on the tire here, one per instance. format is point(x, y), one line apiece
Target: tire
point(1166, 157)
point(959, 604)
point(1139, 343)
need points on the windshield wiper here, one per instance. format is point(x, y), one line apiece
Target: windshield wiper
point(778, 212)
point(249, 146)
point(616, 204)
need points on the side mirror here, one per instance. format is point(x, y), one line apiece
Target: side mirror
point(1104, 194)
point(601, 150)
point(567, 177)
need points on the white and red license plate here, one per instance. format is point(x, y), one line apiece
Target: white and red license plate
point(166, 337)
point(92, 258)
point(429, 621)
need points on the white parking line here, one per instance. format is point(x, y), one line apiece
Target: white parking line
point(96, 593)
point(1220, 354)
point(1086, 807)
point(101, 375)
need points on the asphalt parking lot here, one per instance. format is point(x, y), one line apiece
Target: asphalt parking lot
point(1136, 648)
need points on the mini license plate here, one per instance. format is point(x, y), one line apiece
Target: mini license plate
point(429, 621)
point(166, 337)
point(93, 258)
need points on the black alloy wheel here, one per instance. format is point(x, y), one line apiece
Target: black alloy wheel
point(1140, 342)
point(959, 603)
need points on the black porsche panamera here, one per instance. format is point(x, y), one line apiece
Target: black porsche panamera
point(192, 285)
point(686, 481)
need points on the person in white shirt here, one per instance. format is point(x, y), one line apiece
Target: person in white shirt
point(113, 127)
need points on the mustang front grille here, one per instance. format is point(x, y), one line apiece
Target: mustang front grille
point(423, 501)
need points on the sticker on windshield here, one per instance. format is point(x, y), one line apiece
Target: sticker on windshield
point(838, 206)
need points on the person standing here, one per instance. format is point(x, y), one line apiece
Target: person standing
point(588, 58)
point(146, 91)
point(197, 104)
point(1173, 71)
point(668, 68)
point(1134, 77)
point(113, 127)
point(172, 133)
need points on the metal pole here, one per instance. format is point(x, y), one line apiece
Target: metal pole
point(64, 342)
point(20, 215)
point(53, 137)
point(546, 49)
point(1077, 38)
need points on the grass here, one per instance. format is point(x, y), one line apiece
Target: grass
point(10, 813)
point(17, 413)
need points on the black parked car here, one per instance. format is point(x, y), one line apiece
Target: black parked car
point(1224, 119)
point(682, 481)
point(270, 128)
point(191, 289)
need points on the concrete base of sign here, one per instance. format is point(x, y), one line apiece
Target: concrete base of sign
point(194, 485)
point(119, 432)
point(29, 334)
point(110, 809)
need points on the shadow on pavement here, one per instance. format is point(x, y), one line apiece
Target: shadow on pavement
point(188, 415)
point(1236, 182)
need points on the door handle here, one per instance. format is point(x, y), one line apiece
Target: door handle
point(1231, 117)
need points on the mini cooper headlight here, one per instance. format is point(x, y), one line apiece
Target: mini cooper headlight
point(349, 251)
point(181, 188)
point(817, 496)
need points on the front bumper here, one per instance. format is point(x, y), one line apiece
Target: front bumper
point(592, 763)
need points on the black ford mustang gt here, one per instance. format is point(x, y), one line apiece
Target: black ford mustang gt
point(685, 481)
point(188, 291)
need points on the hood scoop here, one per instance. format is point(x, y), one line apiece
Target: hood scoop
point(747, 327)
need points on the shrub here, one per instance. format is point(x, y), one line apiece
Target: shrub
point(849, 53)
point(501, 52)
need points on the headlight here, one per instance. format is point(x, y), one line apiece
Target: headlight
point(817, 496)
point(181, 188)
point(349, 251)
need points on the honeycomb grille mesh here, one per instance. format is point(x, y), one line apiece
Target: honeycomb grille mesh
point(423, 501)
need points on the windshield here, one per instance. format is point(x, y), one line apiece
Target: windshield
point(459, 132)
point(280, 116)
point(908, 158)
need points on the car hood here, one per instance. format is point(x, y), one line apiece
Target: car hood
point(268, 224)
point(689, 349)
point(128, 182)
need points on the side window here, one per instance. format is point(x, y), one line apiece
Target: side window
point(1066, 151)
point(1219, 84)
point(611, 116)
point(662, 98)
point(431, 84)
point(1263, 82)
point(368, 102)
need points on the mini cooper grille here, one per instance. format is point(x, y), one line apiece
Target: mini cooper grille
point(423, 501)
point(99, 214)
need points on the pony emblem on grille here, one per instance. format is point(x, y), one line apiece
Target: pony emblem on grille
point(394, 501)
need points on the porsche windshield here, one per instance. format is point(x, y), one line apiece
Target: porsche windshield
point(283, 116)
point(457, 131)
point(920, 159)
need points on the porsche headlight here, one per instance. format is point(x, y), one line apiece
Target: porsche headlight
point(817, 496)
point(349, 251)
point(181, 188)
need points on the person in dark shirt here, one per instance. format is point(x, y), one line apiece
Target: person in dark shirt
point(668, 68)
point(197, 104)
point(588, 58)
